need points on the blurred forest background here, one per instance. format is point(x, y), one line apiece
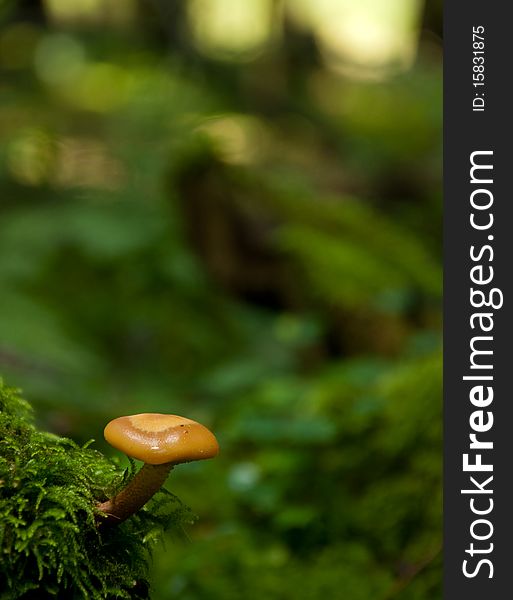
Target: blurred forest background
point(231, 210)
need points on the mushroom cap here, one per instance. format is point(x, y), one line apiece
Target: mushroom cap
point(157, 439)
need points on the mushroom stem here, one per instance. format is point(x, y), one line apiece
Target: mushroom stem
point(138, 491)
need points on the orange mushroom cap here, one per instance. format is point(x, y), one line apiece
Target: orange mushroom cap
point(157, 439)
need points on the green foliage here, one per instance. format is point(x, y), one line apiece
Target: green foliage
point(327, 237)
point(50, 542)
point(341, 492)
point(254, 246)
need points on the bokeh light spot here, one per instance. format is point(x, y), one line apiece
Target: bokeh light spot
point(31, 157)
point(59, 59)
point(231, 29)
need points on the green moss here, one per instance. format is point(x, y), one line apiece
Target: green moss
point(50, 544)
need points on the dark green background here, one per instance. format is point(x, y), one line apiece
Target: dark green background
point(252, 242)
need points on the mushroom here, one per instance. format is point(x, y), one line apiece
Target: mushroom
point(161, 442)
